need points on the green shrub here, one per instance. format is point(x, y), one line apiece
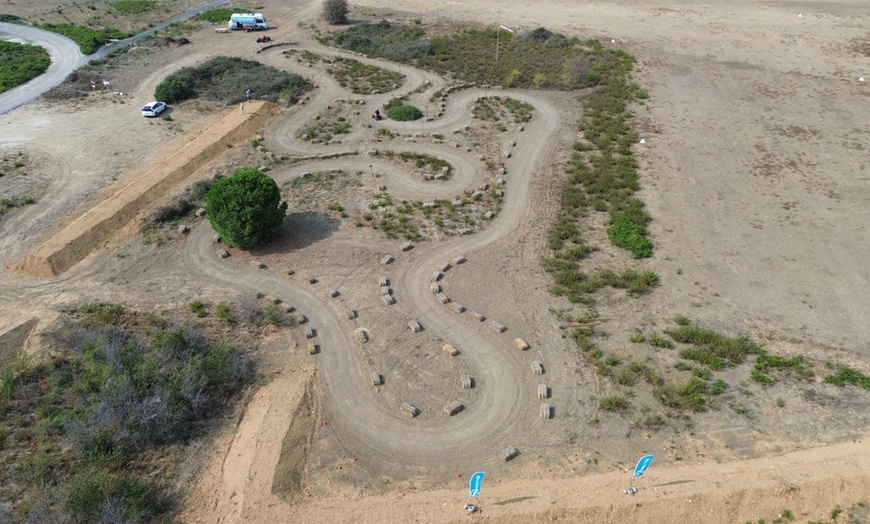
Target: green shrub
point(198, 308)
point(220, 15)
point(245, 208)
point(406, 51)
point(173, 91)
point(88, 40)
point(404, 113)
point(133, 7)
point(702, 357)
point(335, 11)
point(225, 314)
point(846, 375)
point(631, 236)
point(690, 395)
point(19, 63)
point(225, 79)
point(614, 403)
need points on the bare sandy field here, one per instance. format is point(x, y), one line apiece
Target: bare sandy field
point(753, 168)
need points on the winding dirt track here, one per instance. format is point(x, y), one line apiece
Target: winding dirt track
point(384, 434)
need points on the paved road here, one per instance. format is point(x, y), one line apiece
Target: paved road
point(66, 56)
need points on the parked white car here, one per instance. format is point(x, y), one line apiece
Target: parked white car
point(154, 108)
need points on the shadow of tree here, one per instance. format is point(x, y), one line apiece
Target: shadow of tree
point(298, 231)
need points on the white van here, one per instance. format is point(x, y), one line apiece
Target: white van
point(247, 22)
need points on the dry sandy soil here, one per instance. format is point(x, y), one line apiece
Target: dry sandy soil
point(754, 158)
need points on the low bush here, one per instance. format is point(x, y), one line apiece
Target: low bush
point(614, 403)
point(19, 63)
point(88, 40)
point(404, 113)
point(335, 11)
point(133, 7)
point(220, 15)
point(225, 79)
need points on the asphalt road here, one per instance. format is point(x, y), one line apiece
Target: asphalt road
point(66, 56)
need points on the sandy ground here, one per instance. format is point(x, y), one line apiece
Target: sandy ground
point(753, 167)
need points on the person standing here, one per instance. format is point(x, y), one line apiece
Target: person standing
point(248, 94)
point(242, 106)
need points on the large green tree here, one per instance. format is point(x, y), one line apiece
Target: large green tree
point(245, 208)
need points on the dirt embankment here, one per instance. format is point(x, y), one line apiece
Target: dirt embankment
point(75, 242)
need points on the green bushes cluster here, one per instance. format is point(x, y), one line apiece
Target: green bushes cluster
point(220, 15)
point(20, 63)
point(404, 113)
point(225, 79)
point(118, 385)
point(88, 40)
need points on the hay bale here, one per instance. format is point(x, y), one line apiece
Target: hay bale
point(310, 279)
point(288, 308)
point(310, 333)
point(459, 260)
point(376, 378)
point(383, 281)
point(331, 292)
point(477, 316)
point(457, 307)
point(436, 276)
point(257, 264)
point(408, 410)
point(453, 408)
point(442, 298)
point(444, 267)
point(508, 453)
point(467, 381)
point(414, 326)
point(435, 288)
point(289, 272)
point(521, 344)
point(313, 349)
point(450, 350)
point(498, 328)
point(407, 246)
point(351, 314)
point(389, 300)
point(537, 367)
point(387, 259)
point(300, 319)
point(386, 291)
point(543, 391)
point(546, 411)
point(272, 299)
point(183, 229)
point(362, 335)
point(200, 212)
point(216, 238)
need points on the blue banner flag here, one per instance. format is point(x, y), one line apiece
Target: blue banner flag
point(474, 485)
point(642, 464)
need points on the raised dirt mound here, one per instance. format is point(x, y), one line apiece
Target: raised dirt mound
point(76, 241)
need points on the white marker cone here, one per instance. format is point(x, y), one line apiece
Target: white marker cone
point(612, 40)
point(861, 79)
point(643, 140)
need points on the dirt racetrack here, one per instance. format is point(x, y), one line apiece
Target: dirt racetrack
point(753, 168)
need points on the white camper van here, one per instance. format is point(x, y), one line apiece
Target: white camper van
point(247, 22)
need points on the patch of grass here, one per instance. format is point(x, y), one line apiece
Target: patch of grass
point(88, 40)
point(134, 7)
point(359, 78)
point(224, 79)
point(731, 350)
point(9, 203)
point(846, 375)
point(767, 364)
point(637, 337)
point(198, 308)
point(702, 357)
point(659, 341)
point(20, 63)
point(691, 395)
point(225, 314)
point(220, 15)
point(404, 113)
point(614, 403)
